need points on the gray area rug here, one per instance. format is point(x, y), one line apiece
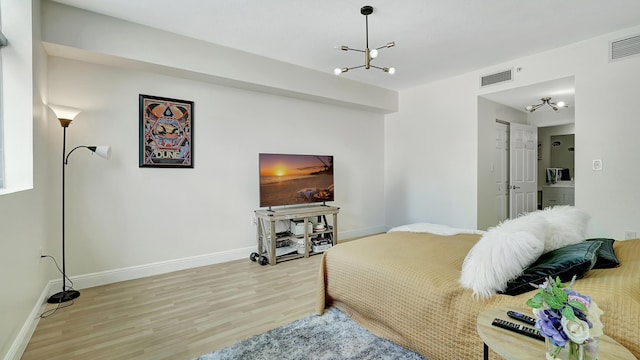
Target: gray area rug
point(331, 336)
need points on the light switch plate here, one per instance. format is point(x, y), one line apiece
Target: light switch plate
point(597, 165)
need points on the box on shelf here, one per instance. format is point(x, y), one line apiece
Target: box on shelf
point(297, 227)
point(320, 244)
point(283, 243)
point(281, 227)
point(320, 248)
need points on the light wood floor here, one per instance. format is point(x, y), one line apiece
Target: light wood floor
point(180, 315)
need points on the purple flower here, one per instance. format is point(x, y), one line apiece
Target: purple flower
point(550, 326)
point(576, 296)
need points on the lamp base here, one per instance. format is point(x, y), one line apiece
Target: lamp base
point(63, 296)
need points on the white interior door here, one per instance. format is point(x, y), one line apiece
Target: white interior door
point(523, 169)
point(501, 171)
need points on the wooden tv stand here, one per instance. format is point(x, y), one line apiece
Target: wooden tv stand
point(270, 242)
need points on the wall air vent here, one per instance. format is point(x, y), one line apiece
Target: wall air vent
point(624, 48)
point(496, 78)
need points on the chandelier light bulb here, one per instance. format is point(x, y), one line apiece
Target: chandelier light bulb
point(560, 104)
point(529, 107)
point(373, 53)
point(390, 70)
point(339, 71)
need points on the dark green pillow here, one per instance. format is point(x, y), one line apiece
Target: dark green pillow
point(565, 262)
point(606, 256)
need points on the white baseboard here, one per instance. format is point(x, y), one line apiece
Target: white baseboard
point(22, 340)
point(161, 267)
point(112, 276)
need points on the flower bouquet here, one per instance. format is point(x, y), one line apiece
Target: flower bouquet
point(569, 321)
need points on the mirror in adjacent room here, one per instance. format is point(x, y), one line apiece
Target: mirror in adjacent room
point(563, 155)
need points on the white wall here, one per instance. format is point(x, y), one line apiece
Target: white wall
point(609, 132)
point(23, 217)
point(433, 177)
point(430, 155)
point(120, 215)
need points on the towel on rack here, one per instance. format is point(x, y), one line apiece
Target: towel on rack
point(552, 174)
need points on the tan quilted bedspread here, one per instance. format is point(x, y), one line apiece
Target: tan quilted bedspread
point(404, 287)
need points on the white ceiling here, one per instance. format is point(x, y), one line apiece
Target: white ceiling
point(434, 39)
point(559, 90)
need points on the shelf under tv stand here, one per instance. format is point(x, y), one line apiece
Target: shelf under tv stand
point(268, 239)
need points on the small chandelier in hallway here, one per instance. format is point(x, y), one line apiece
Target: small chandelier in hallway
point(546, 101)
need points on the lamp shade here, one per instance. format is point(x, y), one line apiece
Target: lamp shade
point(104, 151)
point(64, 112)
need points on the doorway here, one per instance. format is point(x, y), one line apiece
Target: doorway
point(509, 106)
point(501, 170)
point(516, 169)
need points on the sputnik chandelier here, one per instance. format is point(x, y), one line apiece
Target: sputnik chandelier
point(369, 54)
point(546, 101)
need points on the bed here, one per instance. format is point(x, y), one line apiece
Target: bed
point(403, 286)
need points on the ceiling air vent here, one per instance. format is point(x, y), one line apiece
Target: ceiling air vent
point(624, 48)
point(496, 78)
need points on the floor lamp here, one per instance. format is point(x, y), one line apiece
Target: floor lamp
point(65, 115)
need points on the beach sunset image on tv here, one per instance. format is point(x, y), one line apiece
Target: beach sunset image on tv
point(287, 179)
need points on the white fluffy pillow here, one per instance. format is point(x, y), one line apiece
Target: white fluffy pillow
point(567, 226)
point(502, 254)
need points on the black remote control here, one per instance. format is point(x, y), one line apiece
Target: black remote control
point(520, 329)
point(522, 317)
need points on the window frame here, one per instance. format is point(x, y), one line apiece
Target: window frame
point(18, 109)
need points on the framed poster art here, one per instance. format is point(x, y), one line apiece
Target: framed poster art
point(166, 132)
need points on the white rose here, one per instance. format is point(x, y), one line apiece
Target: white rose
point(594, 317)
point(577, 330)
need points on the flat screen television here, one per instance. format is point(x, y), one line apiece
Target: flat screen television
point(289, 179)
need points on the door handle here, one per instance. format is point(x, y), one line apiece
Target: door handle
point(515, 187)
